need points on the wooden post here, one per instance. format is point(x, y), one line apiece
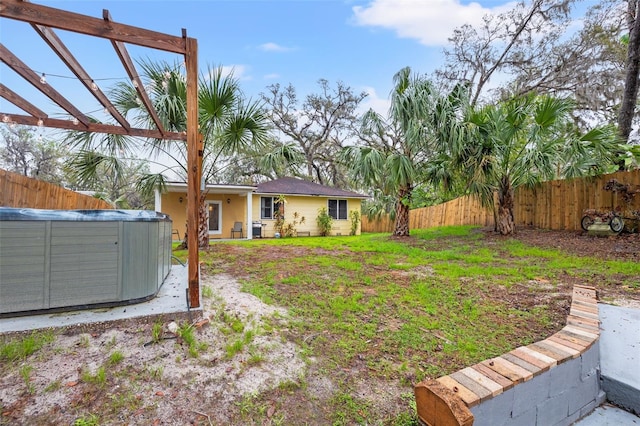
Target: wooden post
point(194, 164)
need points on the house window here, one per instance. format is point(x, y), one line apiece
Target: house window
point(338, 209)
point(268, 205)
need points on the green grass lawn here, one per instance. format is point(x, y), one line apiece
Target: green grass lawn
point(401, 310)
point(370, 316)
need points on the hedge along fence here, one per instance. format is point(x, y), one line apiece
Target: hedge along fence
point(24, 192)
point(556, 205)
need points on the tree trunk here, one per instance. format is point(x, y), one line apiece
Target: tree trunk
point(401, 227)
point(203, 227)
point(630, 95)
point(506, 225)
point(184, 245)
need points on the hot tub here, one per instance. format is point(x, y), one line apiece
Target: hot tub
point(67, 259)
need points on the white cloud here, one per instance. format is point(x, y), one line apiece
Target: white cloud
point(429, 21)
point(239, 72)
point(271, 76)
point(274, 47)
point(374, 102)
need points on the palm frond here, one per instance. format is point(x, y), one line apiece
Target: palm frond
point(149, 182)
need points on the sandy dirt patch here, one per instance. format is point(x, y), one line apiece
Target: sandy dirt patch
point(156, 383)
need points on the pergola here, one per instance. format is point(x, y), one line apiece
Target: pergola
point(44, 20)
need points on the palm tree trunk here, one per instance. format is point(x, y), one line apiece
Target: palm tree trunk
point(506, 225)
point(183, 245)
point(203, 224)
point(203, 227)
point(401, 227)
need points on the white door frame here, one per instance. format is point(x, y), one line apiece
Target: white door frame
point(219, 203)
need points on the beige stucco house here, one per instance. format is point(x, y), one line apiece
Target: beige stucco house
point(252, 207)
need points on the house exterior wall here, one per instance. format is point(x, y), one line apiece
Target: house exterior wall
point(176, 210)
point(232, 211)
point(307, 207)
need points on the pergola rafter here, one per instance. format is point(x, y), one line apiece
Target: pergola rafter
point(21, 102)
point(65, 55)
point(25, 72)
point(44, 19)
point(121, 50)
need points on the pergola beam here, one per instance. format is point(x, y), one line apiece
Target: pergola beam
point(55, 123)
point(128, 65)
point(21, 102)
point(77, 23)
point(67, 57)
point(25, 72)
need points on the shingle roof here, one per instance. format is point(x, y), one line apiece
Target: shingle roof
point(293, 186)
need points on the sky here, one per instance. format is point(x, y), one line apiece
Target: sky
point(361, 43)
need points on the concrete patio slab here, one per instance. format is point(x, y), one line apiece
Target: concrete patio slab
point(620, 355)
point(609, 415)
point(171, 298)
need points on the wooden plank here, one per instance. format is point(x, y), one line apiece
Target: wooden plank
point(494, 387)
point(580, 313)
point(534, 369)
point(472, 385)
point(584, 323)
point(469, 398)
point(556, 352)
point(493, 375)
point(586, 306)
point(563, 346)
point(581, 332)
point(533, 360)
point(578, 339)
point(550, 361)
point(509, 370)
point(580, 347)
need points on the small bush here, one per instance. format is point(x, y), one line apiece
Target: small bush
point(354, 215)
point(324, 221)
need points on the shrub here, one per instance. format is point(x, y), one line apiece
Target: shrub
point(324, 221)
point(354, 215)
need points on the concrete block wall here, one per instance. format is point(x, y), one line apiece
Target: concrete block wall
point(552, 382)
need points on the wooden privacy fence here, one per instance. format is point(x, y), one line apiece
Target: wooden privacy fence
point(556, 205)
point(24, 192)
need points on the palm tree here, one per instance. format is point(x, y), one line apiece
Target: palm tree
point(522, 142)
point(393, 154)
point(231, 127)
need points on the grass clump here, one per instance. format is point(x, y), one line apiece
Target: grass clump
point(207, 292)
point(239, 344)
point(116, 357)
point(25, 373)
point(98, 378)
point(87, 420)
point(156, 332)
point(53, 386)
point(21, 348)
point(187, 334)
